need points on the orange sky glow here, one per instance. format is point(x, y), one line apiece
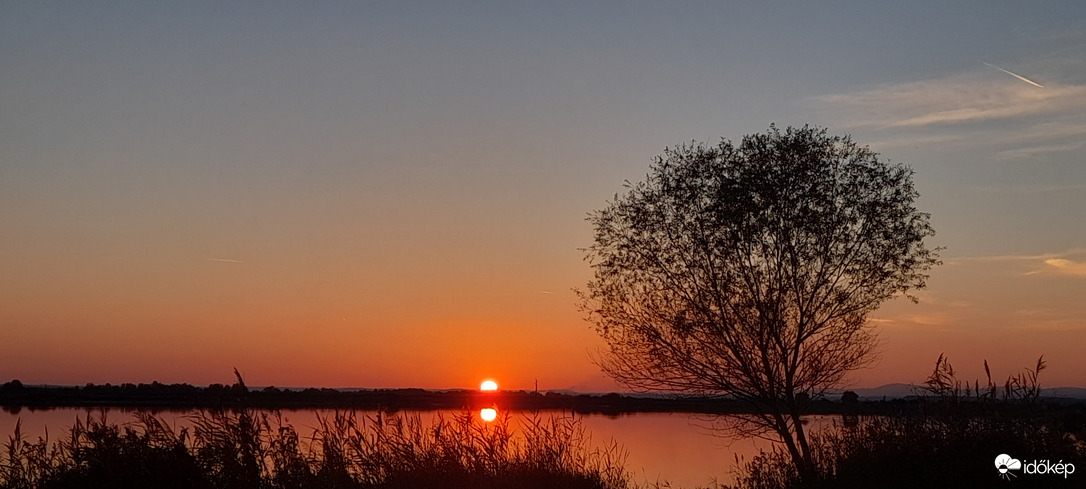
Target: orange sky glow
point(395, 195)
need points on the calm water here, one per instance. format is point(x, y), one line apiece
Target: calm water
point(678, 448)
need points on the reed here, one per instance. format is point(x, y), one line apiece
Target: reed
point(950, 441)
point(919, 451)
point(257, 449)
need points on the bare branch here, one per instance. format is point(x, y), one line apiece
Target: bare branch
point(748, 271)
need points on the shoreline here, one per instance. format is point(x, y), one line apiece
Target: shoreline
point(15, 396)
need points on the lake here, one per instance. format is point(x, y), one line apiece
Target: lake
point(678, 448)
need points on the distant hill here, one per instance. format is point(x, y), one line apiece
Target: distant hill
point(889, 391)
point(1065, 392)
point(598, 383)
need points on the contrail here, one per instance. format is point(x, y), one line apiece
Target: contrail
point(1016, 75)
point(227, 260)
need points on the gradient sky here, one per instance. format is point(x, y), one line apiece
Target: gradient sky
point(393, 194)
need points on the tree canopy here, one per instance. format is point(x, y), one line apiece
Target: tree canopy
point(749, 270)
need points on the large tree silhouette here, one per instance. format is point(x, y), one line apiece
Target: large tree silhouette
point(748, 271)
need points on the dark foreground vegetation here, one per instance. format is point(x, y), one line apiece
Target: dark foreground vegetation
point(950, 439)
point(927, 451)
point(951, 444)
point(249, 450)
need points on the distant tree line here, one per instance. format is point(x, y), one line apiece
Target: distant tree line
point(14, 395)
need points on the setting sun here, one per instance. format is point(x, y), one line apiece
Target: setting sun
point(488, 385)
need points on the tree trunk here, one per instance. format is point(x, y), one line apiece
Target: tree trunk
point(805, 466)
point(797, 446)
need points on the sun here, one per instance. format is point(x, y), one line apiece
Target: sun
point(488, 414)
point(488, 385)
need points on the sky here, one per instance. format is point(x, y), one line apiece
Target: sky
point(393, 194)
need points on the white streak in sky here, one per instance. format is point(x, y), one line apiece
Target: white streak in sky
point(226, 260)
point(968, 101)
point(1016, 75)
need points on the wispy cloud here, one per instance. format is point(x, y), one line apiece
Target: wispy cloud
point(956, 99)
point(1049, 319)
point(1019, 257)
point(1035, 151)
point(1025, 259)
point(975, 106)
point(1063, 266)
point(1063, 263)
point(937, 318)
point(1030, 189)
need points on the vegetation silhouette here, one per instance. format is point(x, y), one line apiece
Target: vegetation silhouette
point(157, 396)
point(949, 440)
point(747, 271)
point(238, 446)
point(244, 448)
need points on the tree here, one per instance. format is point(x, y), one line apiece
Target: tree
point(749, 271)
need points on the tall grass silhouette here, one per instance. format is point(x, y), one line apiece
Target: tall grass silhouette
point(258, 449)
point(950, 441)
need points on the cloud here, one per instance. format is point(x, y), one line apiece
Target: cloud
point(1034, 151)
point(1021, 257)
point(1063, 266)
point(1030, 189)
point(1068, 262)
point(1049, 319)
point(955, 99)
point(934, 319)
point(976, 106)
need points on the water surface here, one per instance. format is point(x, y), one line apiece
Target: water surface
point(683, 449)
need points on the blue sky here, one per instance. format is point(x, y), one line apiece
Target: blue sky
point(363, 186)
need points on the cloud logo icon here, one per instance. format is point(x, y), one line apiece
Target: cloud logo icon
point(1005, 463)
